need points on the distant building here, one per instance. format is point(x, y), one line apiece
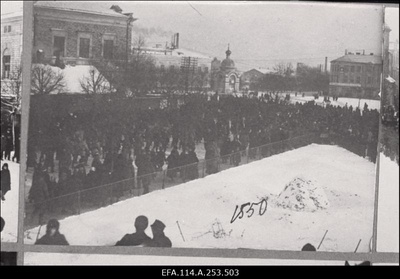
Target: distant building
point(356, 75)
point(225, 77)
point(11, 43)
point(249, 79)
point(394, 61)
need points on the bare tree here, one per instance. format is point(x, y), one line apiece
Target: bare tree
point(284, 69)
point(95, 83)
point(45, 80)
point(13, 84)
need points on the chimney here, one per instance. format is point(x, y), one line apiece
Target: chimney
point(363, 51)
point(371, 53)
point(177, 40)
point(326, 65)
point(345, 52)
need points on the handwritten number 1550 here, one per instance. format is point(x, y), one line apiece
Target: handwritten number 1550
point(262, 209)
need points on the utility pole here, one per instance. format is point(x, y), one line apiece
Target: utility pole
point(188, 66)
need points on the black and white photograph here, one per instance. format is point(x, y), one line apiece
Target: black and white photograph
point(204, 125)
point(11, 80)
point(388, 194)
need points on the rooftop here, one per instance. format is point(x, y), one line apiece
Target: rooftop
point(102, 8)
point(354, 58)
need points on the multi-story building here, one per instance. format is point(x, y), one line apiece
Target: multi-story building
point(394, 61)
point(356, 74)
point(11, 44)
point(77, 32)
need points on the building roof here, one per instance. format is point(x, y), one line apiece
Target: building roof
point(102, 8)
point(354, 58)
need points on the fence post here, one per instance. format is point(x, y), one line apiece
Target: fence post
point(204, 166)
point(163, 180)
point(79, 202)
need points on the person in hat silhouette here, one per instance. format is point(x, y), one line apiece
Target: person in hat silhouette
point(53, 235)
point(159, 238)
point(5, 181)
point(308, 247)
point(139, 237)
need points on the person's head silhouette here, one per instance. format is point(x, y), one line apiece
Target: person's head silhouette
point(308, 247)
point(3, 223)
point(157, 228)
point(52, 227)
point(141, 223)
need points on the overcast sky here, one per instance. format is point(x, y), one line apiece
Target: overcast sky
point(262, 33)
point(392, 19)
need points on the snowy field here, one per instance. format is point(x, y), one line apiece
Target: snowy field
point(90, 259)
point(388, 206)
point(341, 102)
point(204, 208)
point(9, 207)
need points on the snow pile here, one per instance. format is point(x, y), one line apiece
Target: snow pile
point(9, 207)
point(198, 214)
point(303, 195)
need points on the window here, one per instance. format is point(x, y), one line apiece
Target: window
point(345, 79)
point(346, 69)
point(84, 47)
point(206, 69)
point(7, 29)
point(369, 80)
point(358, 69)
point(162, 67)
point(352, 68)
point(58, 46)
point(6, 66)
point(351, 80)
point(108, 51)
point(108, 45)
point(358, 79)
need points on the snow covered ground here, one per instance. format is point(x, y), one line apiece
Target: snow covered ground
point(9, 207)
point(372, 104)
point(205, 207)
point(90, 259)
point(388, 206)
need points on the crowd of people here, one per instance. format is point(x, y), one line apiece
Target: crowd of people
point(106, 149)
point(138, 238)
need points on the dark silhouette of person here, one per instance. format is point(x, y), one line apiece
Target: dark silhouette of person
point(308, 247)
point(5, 181)
point(53, 235)
point(139, 237)
point(3, 223)
point(159, 238)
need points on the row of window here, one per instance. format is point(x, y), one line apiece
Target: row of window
point(84, 46)
point(351, 69)
point(352, 80)
point(199, 69)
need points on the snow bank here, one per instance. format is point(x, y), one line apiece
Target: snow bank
point(303, 195)
point(9, 207)
point(388, 206)
point(204, 208)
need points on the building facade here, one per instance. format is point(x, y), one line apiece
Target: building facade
point(225, 76)
point(356, 75)
point(77, 32)
point(11, 44)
